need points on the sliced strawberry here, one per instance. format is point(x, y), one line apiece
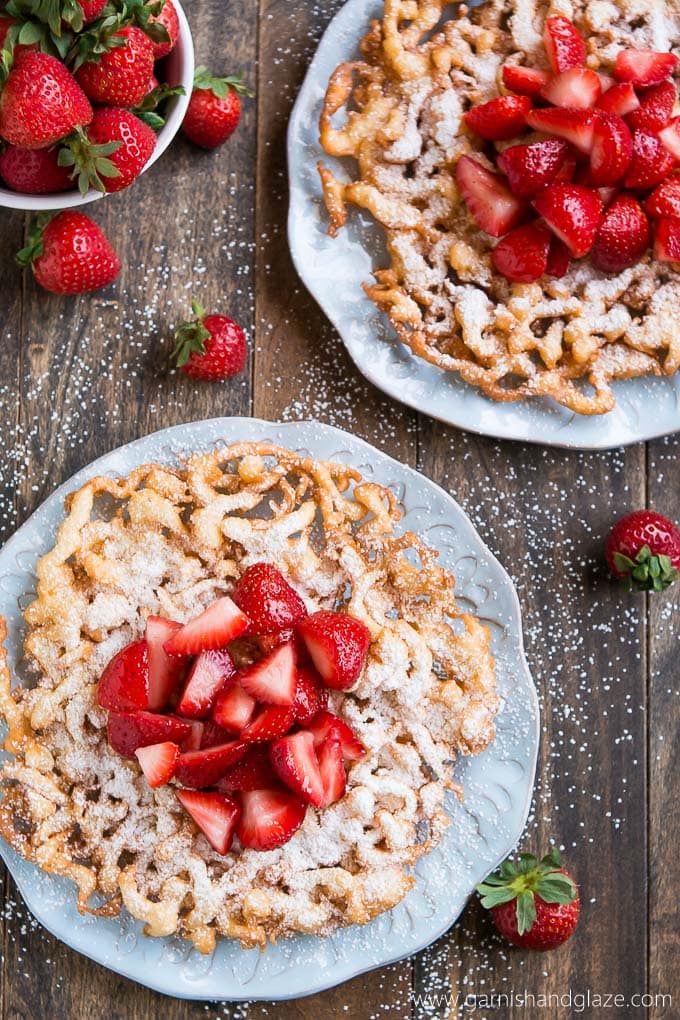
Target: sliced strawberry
point(212, 735)
point(612, 151)
point(578, 88)
point(269, 818)
point(559, 259)
point(522, 255)
point(273, 678)
point(295, 762)
point(529, 168)
point(124, 684)
point(268, 642)
point(607, 195)
point(219, 624)
point(568, 169)
point(165, 671)
point(332, 769)
point(644, 67)
point(526, 81)
point(338, 645)
point(655, 109)
point(325, 723)
point(573, 213)
point(267, 599)
point(199, 769)
point(128, 731)
point(193, 741)
point(574, 126)
point(216, 816)
point(670, 138)
point(499, 119)
point(158, 762)
point(607, 83)
point(270, 722)
point(208, 675)
point(488, 197)
point(310, 695)
point(623, 236)
point(651, 161)
point(564, 44)
point(620, 99)
point(253, 772)
point(234, 708)
point(665, 199)
point(667, 245)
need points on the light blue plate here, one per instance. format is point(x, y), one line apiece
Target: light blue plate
point(498, 784)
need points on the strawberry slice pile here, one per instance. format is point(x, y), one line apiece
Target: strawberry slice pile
point(604, 182)
point(249, 746)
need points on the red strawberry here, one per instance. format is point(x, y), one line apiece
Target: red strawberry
point(216, 816)
point(253, 772)
point(526, 81)
point(529, 168)
point(214, 109)
point(268, 642)
point(211, 736)
point(134, 143)
point(667, 243)
point(233, 709)
point(559, 259)
point(623, 236)
point(273, 678)
point(651, 161)
point(332, 769)
point(564, 44)
point(158, 762)
point(128, 731)
point(522, 255)
point(210, 672)
point(195, 738)
point(199, 769)
point(92, 9)
point(120, 76)
point(215, 627)
point(644, 67)
point(270, 722)
point(269, 818)
point(211, 347)
point(124, 684)
point(499, 119)
point(670, 138)
point(578, 88)
point(488, 197)
point(534, 906)
point(34, 171)
point(573, 213)
point(656, 108)
point(665, 199)
point(169, 20)
point(326, 723)
point(612, 151)
point(643, 548)
point(620, 99)
point(5, 25)
point(338, 645)
point(310, 695)
point(267, 599)
point(295, 762)
point(41, 102)
point(69, 254)
point(165, 671)
point(574, 126)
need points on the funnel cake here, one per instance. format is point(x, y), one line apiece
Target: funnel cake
point(398, 111)
point(170, 541)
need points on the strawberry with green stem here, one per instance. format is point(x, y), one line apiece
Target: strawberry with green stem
point(114, 64)
point(214, 108)
point(112, 153)
point(210, 347)
point(69, 253)
point(643, 551)
point(41, 102)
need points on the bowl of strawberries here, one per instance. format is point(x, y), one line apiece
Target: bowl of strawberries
point(92, 92)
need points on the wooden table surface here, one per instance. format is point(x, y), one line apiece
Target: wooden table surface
point(81, 376)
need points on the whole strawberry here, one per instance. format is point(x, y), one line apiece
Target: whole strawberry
point(41, 102)
point(170, 21)
point(533, 905)
point(113, 153)
point(69, 254)
point(210, 347)
point(118, 69)
point(214, 109)
point(643, 550)
point(34, 171)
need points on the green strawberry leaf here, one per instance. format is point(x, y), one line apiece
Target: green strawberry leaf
point(525, 912)
point(556, 888)
point(191, 337)
point(220, 86)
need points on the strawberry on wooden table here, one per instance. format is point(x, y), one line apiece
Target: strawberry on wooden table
point(269, 602)
point(208, 675)
point(158, 762)
point(294, 761)
point(124, 684)
point(215, 627)
point(212, 347)
point(643, 549)
point(69, 254)
point(487, 195)
point(338, 644)
point(34, 171)
point(269, 818)
point(214, 109)
point(533, 905)
point(215, 815)
point(41, 102)
point(128, 731)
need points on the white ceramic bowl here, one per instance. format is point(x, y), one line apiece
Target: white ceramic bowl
point(178, 69)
